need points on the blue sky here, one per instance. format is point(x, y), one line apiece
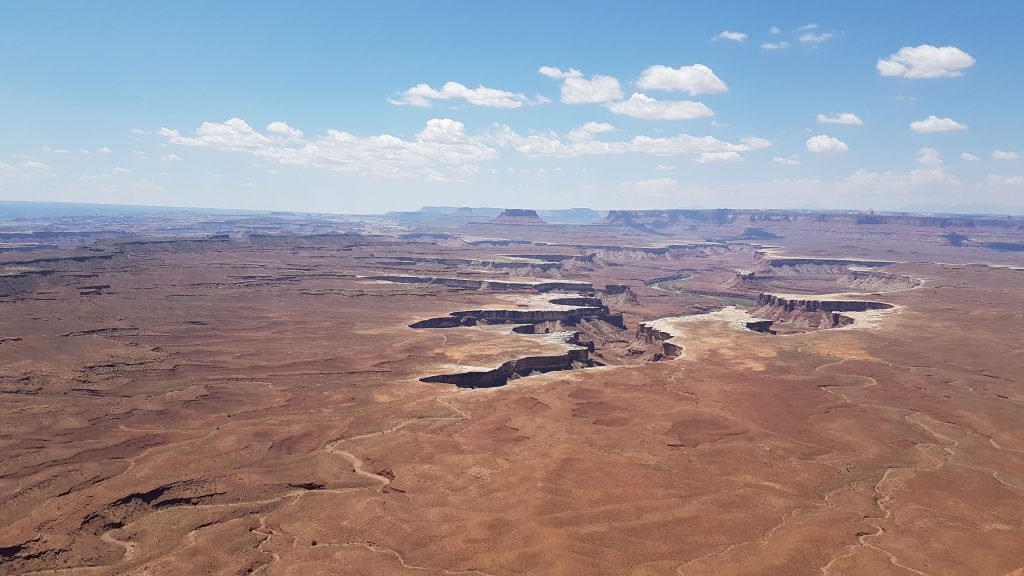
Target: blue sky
point(376, 106)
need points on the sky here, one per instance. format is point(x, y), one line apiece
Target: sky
point(366, 107)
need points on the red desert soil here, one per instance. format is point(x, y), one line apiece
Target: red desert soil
point(255, 407)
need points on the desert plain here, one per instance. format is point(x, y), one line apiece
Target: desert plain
point(731, 392)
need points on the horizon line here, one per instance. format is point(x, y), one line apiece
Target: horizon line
point(1008, 214)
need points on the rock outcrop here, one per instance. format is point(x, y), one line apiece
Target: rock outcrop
point(650, 335)
point(796, 303)
point(789, 314)
point(779, 261)
point(764, 326)
point(171, 244)
point(572, 359)
point(751, 233)
point(406, 262)
point(655, 220)
point(518, 216)
point(583, 309)
point(475, 284)
point(586, 322)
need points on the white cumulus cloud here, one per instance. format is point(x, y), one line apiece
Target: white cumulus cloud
point(695, 79)
point(814, 37)
point(552, 145)
point(1004, 155)
point(847, 118)
point(589, 130)
point(936, 124)
point(969, 157)
point(774, 45)
point(787, 161)
point(579, 90)
point(233, 134)
point(593, 90)
point(929, 157)
point(926, 61)
point(33, 165)
point(825, 144)
point(559, 74)
point(863, 182)
point(285, 131)
point(719, 157)
point(441, 151)
point(729, 35)
point(423, 95)
point(642, 106)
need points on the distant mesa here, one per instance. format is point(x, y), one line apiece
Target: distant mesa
point(750, 233)
point(459, 216)
point(518, 216)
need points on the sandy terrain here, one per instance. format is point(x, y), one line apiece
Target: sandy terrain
point(256, 407)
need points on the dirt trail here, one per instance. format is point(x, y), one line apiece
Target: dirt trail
point(132, 549)
point(401, 560)
point(267, 534)
point(763, 540)
point(883, 498)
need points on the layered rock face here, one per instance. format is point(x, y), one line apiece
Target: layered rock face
point(877, 282)
point(474, 284)
point(657, 219)
point(573, 358)
point(650, 335)
point(790, 304)
point(764, 326)
point(787, 314)
point(211, 242)
point(584, 309)
point(780, 261)
point(463, 262)
point(661, 218)
point(578, 313)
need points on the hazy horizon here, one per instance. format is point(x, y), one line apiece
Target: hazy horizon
point(425, 208)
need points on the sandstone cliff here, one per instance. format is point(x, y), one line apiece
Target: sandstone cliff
point(794, 313)
point(811, 304)
point(573, 358)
